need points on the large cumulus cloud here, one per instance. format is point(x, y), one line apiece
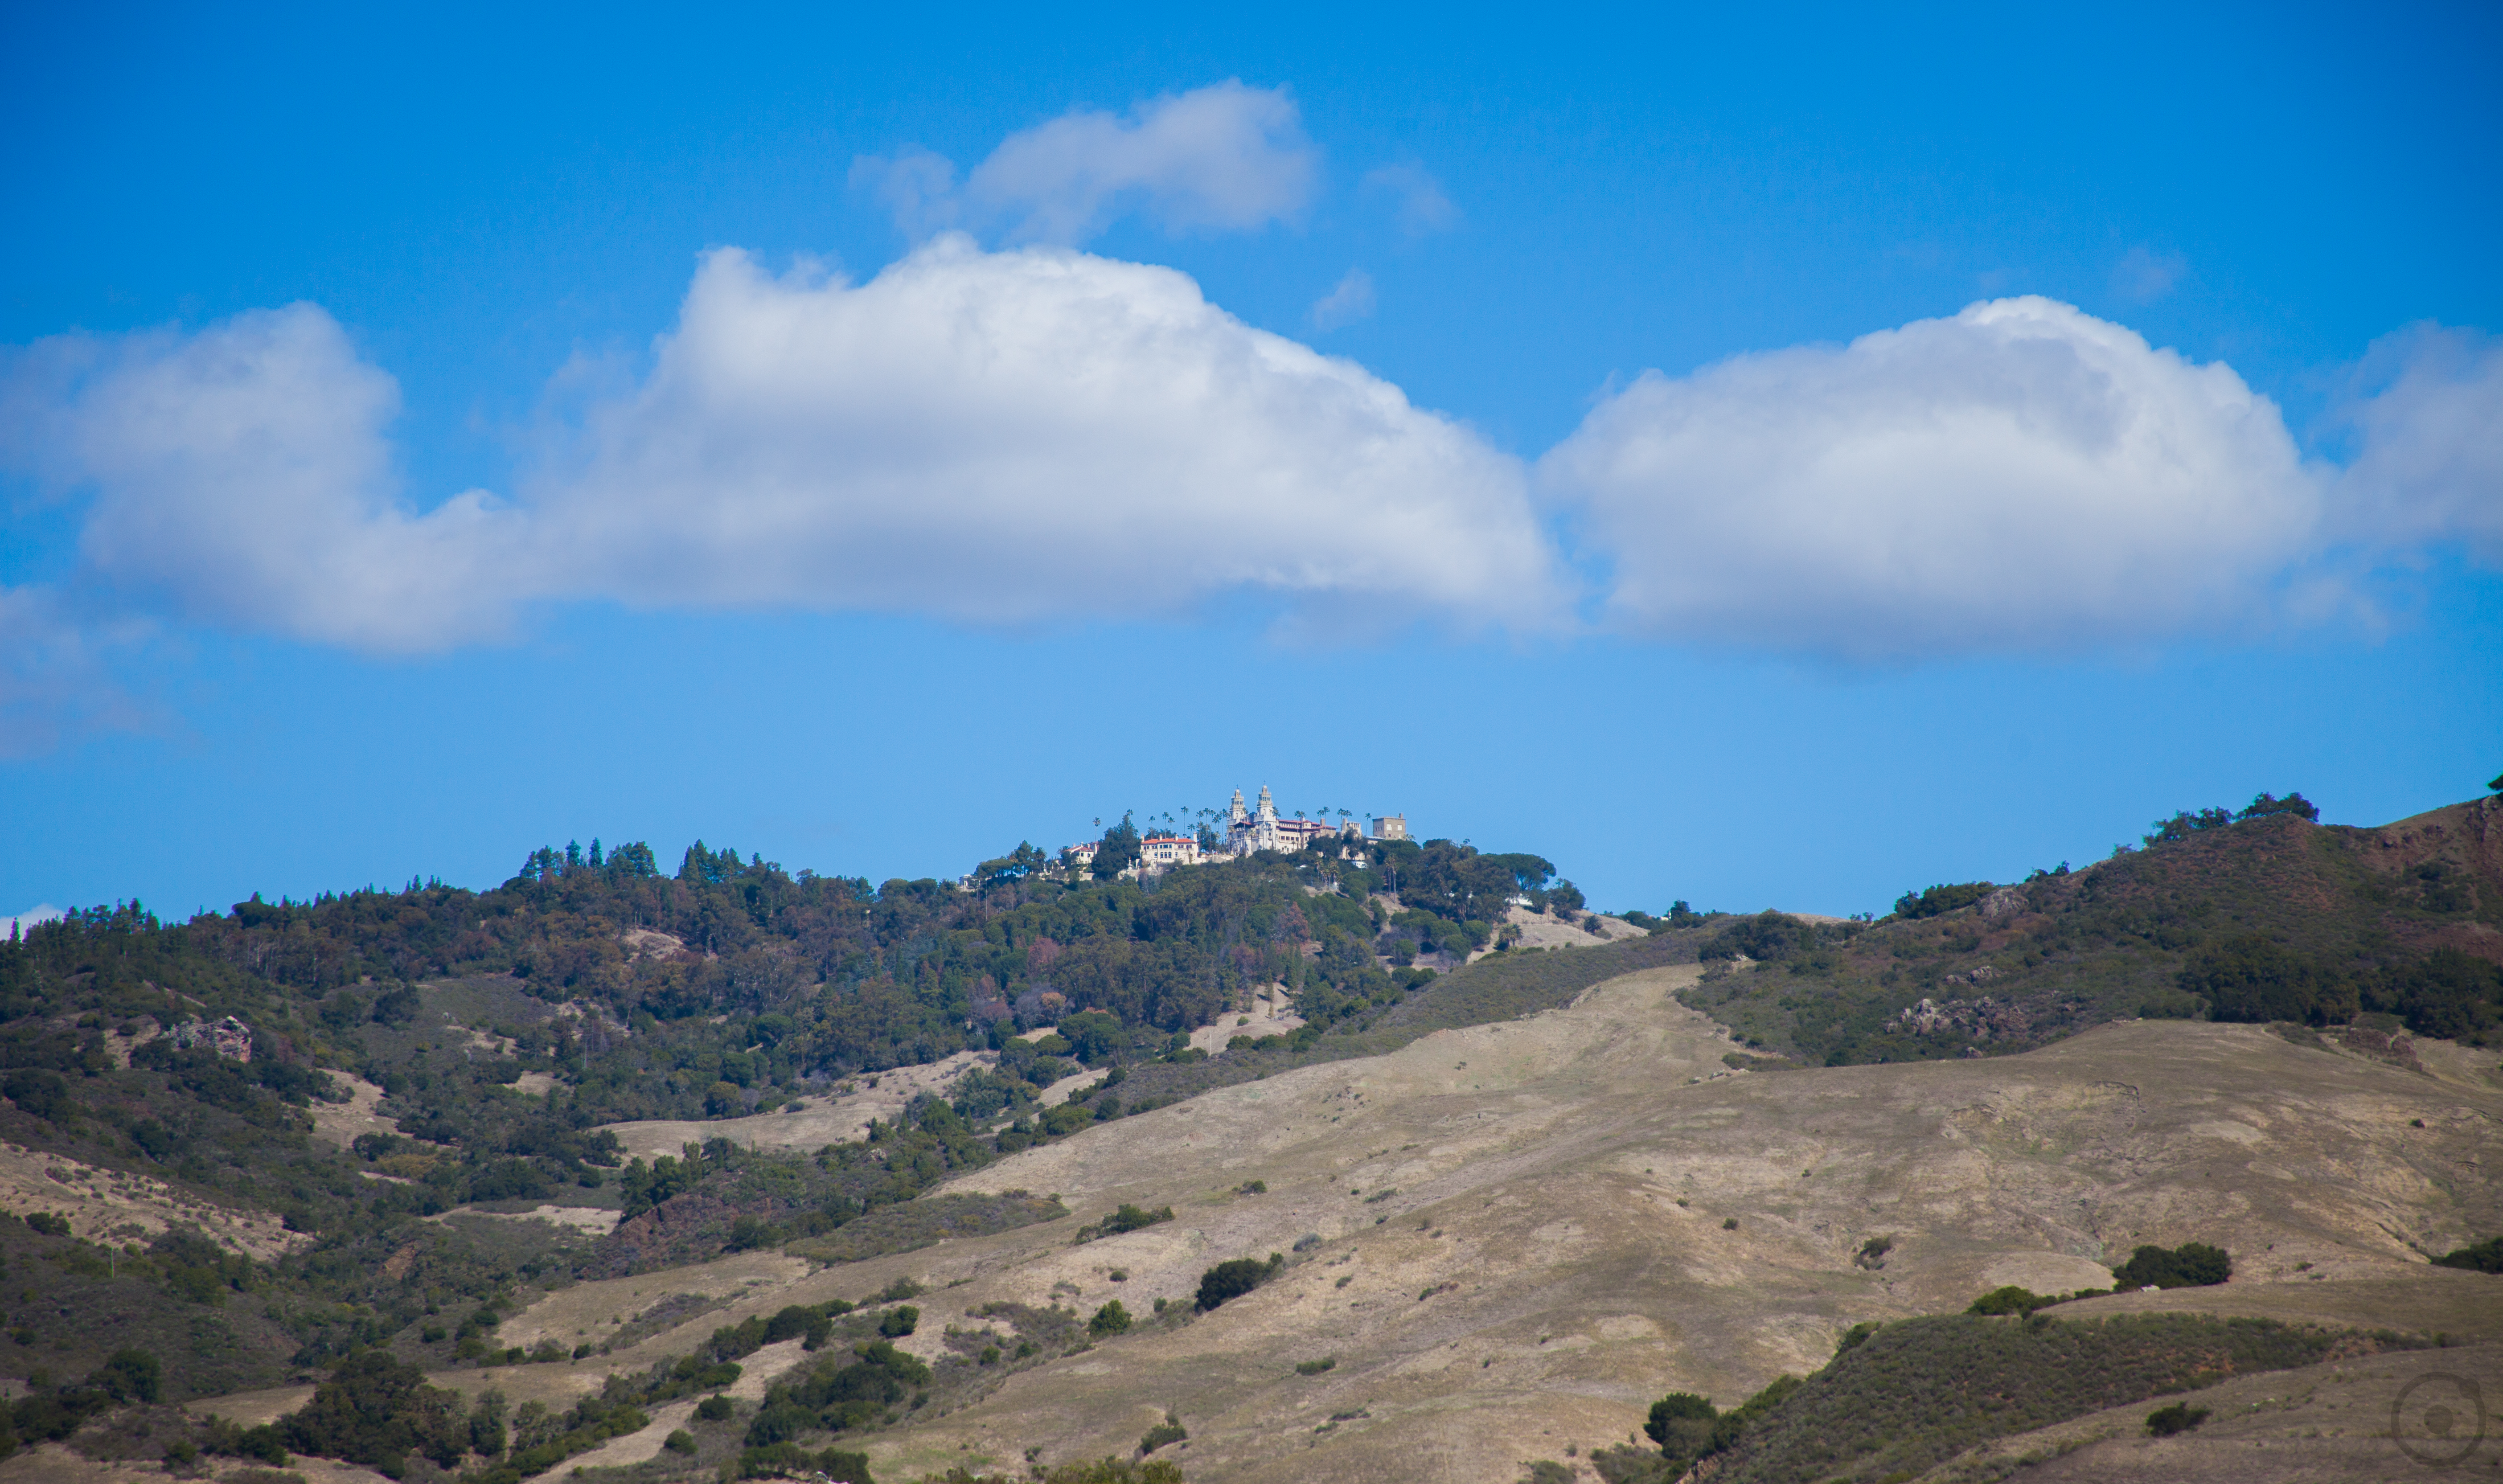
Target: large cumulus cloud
point(2022, 476)
point(991, 437)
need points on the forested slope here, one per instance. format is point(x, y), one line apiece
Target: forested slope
point(2269, 917)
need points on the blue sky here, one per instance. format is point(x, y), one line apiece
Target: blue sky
point(1770, 460)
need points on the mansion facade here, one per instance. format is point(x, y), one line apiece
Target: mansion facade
point(1248, 831)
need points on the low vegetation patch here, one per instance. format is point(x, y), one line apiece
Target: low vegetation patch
point(2180, 1417)
point(1169, 1430)
point(2016, 1300)
point(1125, 1218)
point(1918, 1391)
point(1234, 1279)
point(2486, 1257)
point(2192, 1265)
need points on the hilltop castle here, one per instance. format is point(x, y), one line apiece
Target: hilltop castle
point(1260, 828)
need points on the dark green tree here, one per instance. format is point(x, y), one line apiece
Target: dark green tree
point(1119, 852)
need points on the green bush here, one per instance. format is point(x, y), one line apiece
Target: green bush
point(1932, 901)
point(2180, 1417)
point(1111, 1319)
point(1169, 1430)
point(715, 1408)
point(2486, 1257)
point(2192, 1265)
point(1125, 1218)
point(2010, 1299)
point(1921, 1391)
point(130, 1375)
point(1766, 936)
point(679, 1440)
point(2251, 978)
point(376, 1410)
point(1681, 1423)
point(897, 1322)
point(1229, 1280)
point(1316, 1368)
point(777, 1460)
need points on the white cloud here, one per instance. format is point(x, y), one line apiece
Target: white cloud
point(2426, 408)
point(2022, 476)
point(1350, 301)
point(1224, 159)
point(917, 188)
point(1026, 435)
point(241, 473)
point(16, 924)
point(1417, 198)
point(990, 438)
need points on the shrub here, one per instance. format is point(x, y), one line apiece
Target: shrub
point(1681, 1423)
point(2192, 1265)
point(777, 1460)
point(1316, 1368)
point(2447, 994)
point(1169, 1430)
point(1111, 1319)
point(2010, 1299)
point(130, 1375)
point(715, 1408)
point(2486, 1257)
point(1765, 936)
point(1932, 901)
point(1125, 1218)
point(376, 1410)
point(1109, 1470)
point(2254, 978)
point(1229, 1280)
point(679, 1440)
point(897, 1322)
point(2180, 1417)
point(48, 1225)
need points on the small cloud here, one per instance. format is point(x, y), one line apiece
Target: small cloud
point(2425, 407)
point(1350, 301)
point(1417, 198)
point(2143, 277)
point(1221, 159)
point(35, 917)
point(917, 188)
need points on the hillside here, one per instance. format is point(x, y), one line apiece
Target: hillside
point(2274, 917)
point(1510, 1204)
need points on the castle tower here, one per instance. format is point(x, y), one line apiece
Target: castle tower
point(1268, 810)
point(1235, 813)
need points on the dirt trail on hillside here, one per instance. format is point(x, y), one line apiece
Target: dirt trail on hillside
point(1586, 1209)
